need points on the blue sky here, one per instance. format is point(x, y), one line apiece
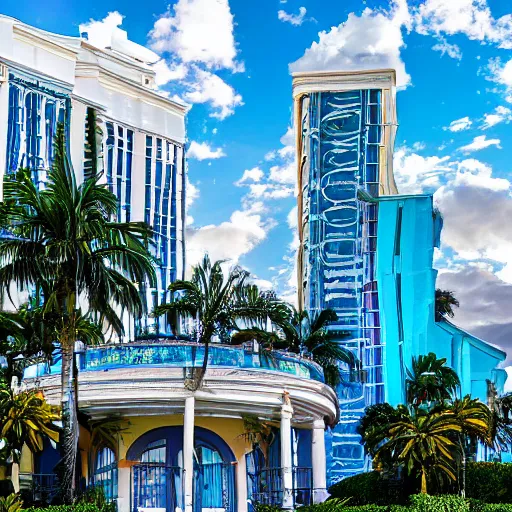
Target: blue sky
point(231, 59)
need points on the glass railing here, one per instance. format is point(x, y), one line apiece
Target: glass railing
point(182, 354)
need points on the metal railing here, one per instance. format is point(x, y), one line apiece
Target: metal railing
point(267, 488)
point(214, 487)
point(43, 487)
point(157, 486)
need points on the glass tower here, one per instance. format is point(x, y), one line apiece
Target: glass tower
point(346, 125)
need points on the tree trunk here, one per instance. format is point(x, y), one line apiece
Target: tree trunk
point(199, 376)
point(423, 481)
point(69, 435)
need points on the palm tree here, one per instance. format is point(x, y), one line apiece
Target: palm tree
point(215, 302)
point(445, 301)
point(500, 421)
point(65, 244)
point(308, 334)
point(25, 418)
point(430, 380)
point(475, 420)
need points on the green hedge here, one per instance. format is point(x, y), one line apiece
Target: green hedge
point(371, 489)
point(490, 482)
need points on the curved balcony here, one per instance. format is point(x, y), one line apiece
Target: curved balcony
point(183, 354)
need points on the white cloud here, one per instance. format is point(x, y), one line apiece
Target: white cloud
point(476, 208)
point(286, 173)
point(294, 19)
point(99, 33)
point(228, 240)
point(452, 50)
point(370, 41)
point(415, 173)
point(210, 88)
point(470, 17)
point(203, 151)
point(107, 34)
point(198, 31)
point(165, 73)
point(501, 114)
point(464, 123)
point(255, 174)
point(480, 142)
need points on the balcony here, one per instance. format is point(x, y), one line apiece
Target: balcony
point(184, 354)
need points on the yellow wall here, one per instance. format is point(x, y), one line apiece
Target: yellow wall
point(230, 430)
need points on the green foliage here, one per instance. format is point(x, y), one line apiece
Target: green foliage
point(266, 508)
point(430, 380)
point(444, 303)
point(11, 503)
point(362, 489)
point(444, 503)
point(489, 482)
point(25, 418)
point(334, 505)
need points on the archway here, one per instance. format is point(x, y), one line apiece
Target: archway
point(157, 477)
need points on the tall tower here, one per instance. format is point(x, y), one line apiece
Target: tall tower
point(346, 124)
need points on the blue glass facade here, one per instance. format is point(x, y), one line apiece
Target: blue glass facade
point(35, 108)
point(118, 166)
point(163, 177)
point(342, 135)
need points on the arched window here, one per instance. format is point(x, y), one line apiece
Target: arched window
point(105, 472)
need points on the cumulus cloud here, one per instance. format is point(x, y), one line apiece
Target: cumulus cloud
point(197, 31)
point(452, 50)
point(464, 123)
point(99, 33)
point(414, 173)
point(475, 208)
point(372, 40)
point(210, 88)
point(165, 73)
point(294, 19)
point(480, 142)
point(501, 114)
point(203, 151)
point(472, 18)
point(229, 240)
point(255, 174)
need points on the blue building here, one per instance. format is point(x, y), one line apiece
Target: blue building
point(366, 252)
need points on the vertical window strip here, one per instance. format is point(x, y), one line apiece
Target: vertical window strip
point(119, 151)
point(32, 121)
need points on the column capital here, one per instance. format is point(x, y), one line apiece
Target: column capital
point(318, 424)
point(286, 408)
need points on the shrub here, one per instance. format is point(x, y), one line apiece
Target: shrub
point(11, 503)
point(443, 503)
point(372, 488)
point(492, 507)
point(489, 482)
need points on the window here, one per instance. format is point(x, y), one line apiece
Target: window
point(154, 452)
point(34, 111)
point(119, 154)
point(163, 172)
point(105, 473)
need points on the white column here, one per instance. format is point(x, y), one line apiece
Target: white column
point(241, 484)
point(15, 477)
point(319, 462)
point(286, 453)
point(188, 452)
point(123, 489)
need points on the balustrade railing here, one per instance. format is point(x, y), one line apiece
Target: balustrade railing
point(182, 354)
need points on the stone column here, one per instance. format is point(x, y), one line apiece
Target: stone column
point(188, 452)
point(318, 462)
point(123, 487)
point(286, 452)
point(241, 484)
point(15, 477)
